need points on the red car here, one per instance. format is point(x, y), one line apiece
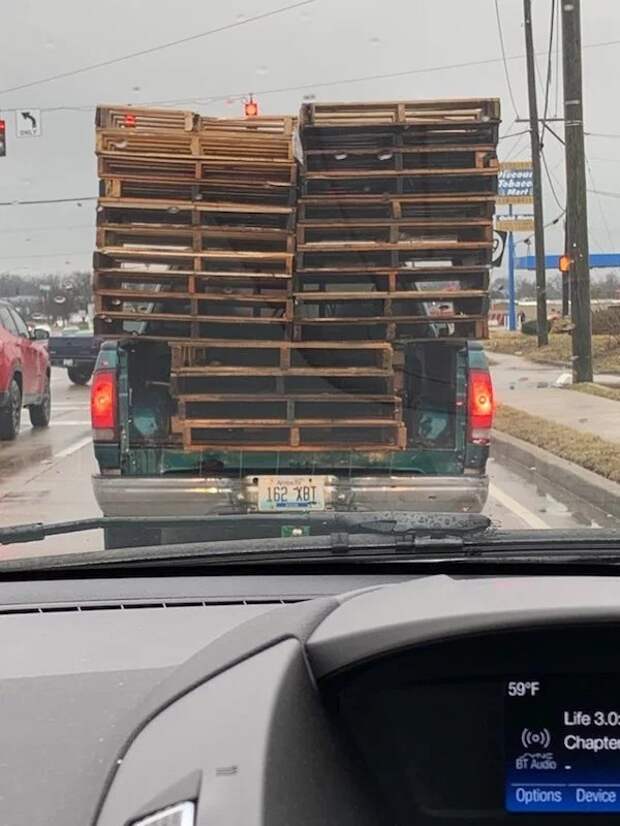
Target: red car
point(24, 373)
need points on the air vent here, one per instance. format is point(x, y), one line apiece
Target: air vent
point(126, 605)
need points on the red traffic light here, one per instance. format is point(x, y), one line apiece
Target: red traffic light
point(2, 126)
point(250, 108)
point(564, 263)
point(2, 139)
point(129, 120)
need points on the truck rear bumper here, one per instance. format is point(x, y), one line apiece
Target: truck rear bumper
point(198, 496)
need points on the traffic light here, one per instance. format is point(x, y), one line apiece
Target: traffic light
point(250, 107)
point(564, 264)
point(2, 138)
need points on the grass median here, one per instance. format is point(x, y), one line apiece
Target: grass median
point(587, 451)
point(605, 349)
point(611, 393)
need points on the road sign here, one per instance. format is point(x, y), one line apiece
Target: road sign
point(515, 183)
point(28, 123)
point(514, 224)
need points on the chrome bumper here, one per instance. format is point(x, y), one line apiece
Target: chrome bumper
point(199, 496)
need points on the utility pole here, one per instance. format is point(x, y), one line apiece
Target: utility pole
point(576, 198)
point(539, 229)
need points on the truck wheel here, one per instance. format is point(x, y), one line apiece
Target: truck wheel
point(80, 375)
point(130, 537)
point(11, 413)
point(40, 414)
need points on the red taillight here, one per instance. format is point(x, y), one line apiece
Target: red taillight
point(103, 406)
point(481, 406)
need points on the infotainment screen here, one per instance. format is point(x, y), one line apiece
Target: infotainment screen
point(562, 744)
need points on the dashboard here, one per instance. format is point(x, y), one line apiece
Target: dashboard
point(296, 700)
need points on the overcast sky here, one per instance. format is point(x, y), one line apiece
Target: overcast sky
point(318, 47)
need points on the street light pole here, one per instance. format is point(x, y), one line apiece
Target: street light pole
point(539, 229)
point(576, 197)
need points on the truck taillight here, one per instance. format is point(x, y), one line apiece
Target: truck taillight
point(103, 406)
point(481, 406)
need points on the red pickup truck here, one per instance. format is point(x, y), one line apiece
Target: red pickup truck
point(24, 373)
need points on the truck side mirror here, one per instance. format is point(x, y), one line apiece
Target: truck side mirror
point(40, 334)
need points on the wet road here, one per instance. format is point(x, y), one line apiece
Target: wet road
point(45, 476)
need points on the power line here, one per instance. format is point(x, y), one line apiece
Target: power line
point(56, 228)
point(504, 59)
point(47, 255)
point(599, 203)
point(530, 238)
point(549, 63)
point(233, 96)
point(604, 193)
point(601, 135)
point(550, 181)
point(514, 134)
point(49, 201)
point(151, 50)
point(516, 147)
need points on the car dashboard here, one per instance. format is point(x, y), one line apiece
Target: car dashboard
point(433, 700)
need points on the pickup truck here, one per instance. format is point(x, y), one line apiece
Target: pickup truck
point(77, 351)
point(145, 471)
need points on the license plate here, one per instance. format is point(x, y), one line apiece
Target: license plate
point(291, 493)
point(67, 362)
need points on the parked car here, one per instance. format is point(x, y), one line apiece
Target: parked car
point(24, 373)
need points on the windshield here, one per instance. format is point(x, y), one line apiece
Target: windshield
point(308, 258)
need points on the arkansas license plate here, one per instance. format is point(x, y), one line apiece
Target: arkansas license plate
point(67, 362)
point(291, 493)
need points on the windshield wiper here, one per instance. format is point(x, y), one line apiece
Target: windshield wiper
point(581, 547)
point(381, 522)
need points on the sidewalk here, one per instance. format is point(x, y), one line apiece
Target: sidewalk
point(530, 387)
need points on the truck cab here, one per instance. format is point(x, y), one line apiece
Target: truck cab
point(145, 469)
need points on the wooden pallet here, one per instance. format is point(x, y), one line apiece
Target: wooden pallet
point(168, 327)
point(144, 211)
point(217, 260)
point(276, 193)
point(192, 358)
point(135, 117)
point(400, 182)
point(197, 237)
point(311, 234)
point(425, 112)
point(364, 256)
point(399, 158)
point(308, 435)
point(428, 205)
point(395, 328)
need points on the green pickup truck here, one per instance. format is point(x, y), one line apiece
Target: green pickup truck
point(144, 469)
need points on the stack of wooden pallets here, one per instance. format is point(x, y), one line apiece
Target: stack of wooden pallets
point(195, 229)
point(196, 246)
point(394, 229)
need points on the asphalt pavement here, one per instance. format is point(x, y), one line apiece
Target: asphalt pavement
point(45, 477)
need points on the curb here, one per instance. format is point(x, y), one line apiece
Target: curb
point(581, 483)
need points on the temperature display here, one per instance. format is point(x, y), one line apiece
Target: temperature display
point(562, 738)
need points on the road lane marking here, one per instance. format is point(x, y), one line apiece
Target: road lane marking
point(71, 423)
point(68, 451)
point(519, 510)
